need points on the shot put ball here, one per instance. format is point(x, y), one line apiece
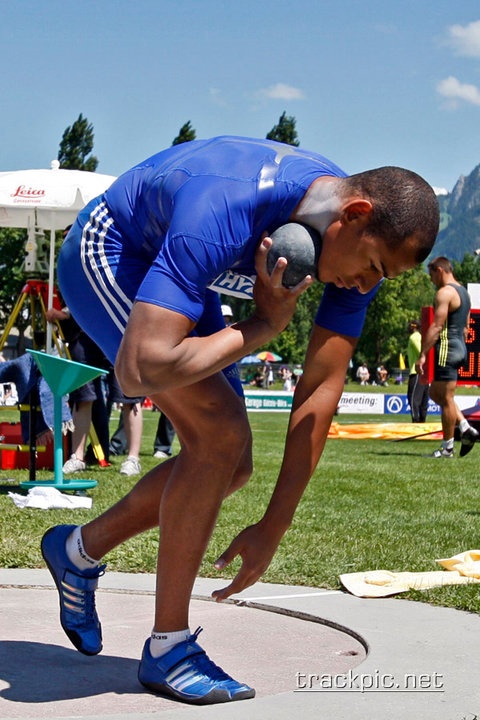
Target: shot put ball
point(301, 245)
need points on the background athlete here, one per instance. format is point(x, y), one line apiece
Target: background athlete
point(447, 334)
point(136, 270)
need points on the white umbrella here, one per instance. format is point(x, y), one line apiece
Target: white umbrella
point(49, 199)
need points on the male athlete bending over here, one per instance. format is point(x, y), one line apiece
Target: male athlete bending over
point(137, 271)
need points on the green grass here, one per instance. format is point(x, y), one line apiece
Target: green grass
point(372, 504)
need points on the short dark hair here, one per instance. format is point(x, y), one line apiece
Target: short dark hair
point(65, 231)
point(404, 205)
point(441, 262)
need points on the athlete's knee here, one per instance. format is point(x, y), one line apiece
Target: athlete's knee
point(231, 432)
point(218, 430)
point(244, 468)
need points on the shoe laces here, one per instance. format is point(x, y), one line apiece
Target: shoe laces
point(193, 637)
point(89, 606)
point(204, 664)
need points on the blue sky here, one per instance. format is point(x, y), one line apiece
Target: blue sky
point(370, 82)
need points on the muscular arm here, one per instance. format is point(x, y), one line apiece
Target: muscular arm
point(315, 401)
point(466, 328)
point(157, 353)
point(443, 304)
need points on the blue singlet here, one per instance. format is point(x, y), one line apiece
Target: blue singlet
point(186, 220)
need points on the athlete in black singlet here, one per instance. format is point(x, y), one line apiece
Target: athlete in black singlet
point(447, 335)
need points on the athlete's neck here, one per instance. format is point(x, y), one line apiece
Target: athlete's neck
point(320, 205)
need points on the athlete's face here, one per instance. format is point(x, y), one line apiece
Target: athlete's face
point(351, 258)
point(436, 276)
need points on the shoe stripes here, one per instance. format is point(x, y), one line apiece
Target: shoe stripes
point(76, 590)
point(186, 673)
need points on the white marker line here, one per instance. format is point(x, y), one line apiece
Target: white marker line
point(288, 597)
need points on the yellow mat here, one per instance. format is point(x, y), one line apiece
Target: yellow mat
point(463, 569)
point(386, 431)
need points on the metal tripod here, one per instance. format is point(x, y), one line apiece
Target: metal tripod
point(36, 291)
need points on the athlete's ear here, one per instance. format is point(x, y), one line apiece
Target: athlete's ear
point(357, 209)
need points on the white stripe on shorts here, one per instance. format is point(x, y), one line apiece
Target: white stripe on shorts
point(98, 271)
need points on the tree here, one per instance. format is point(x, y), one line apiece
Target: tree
point(467, 271)
point(285, 131)
point(385, 334)
point(187, 133)
point(76, 144)
point(12, 254)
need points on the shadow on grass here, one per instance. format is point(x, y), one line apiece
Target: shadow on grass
point(396, 452)
point(6, 488)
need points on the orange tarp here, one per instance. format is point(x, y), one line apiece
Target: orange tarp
point(386, 431)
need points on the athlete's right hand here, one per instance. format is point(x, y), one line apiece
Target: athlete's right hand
point(419, 365)
point(275, 304)
point(256, 545)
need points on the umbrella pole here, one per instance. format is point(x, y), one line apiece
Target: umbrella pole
point(51, 267)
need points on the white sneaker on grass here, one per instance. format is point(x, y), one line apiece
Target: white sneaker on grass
point(73, 465)
point(160, 455)
point(131, 466)
point(443, 452)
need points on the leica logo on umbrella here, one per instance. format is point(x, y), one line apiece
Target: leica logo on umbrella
point(24, 191)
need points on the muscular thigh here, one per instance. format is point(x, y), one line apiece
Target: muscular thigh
point(442, 392)
point(447, 363)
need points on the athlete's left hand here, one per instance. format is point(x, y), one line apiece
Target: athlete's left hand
point(275, 304)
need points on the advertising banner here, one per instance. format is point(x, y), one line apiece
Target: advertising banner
point(268, 401)
point(398, 405)
point(359, 403)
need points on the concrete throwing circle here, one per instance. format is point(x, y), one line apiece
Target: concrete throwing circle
point(43, 676)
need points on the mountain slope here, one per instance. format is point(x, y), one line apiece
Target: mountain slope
point(460, 218)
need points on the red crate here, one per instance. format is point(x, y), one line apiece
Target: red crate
point(20, 459)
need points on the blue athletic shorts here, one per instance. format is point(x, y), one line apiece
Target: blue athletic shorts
point(104, 314)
